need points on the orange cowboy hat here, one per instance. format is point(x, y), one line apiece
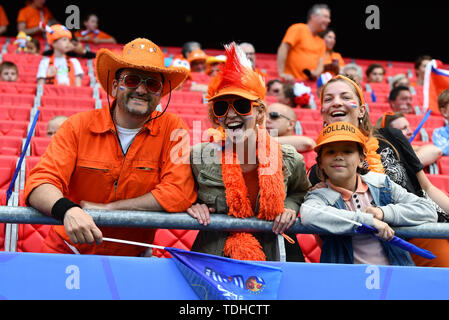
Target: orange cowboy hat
point(340, 131)
point(141, 54)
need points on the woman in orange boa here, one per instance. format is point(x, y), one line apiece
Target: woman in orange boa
point(388, 151)
point(243, 171)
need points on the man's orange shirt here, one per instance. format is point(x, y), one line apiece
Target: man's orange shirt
point(3, 18)
point(32, 16)
point(305, 52)
point(85, 161)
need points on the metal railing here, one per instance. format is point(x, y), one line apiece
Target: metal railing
point(218, 222)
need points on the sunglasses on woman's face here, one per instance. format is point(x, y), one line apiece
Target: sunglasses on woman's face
point(241, 106)
point(132, 81)
point(276, 115)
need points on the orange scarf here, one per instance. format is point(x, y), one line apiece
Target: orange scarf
point(70, 66)
point(372, 157)
point(243, 245)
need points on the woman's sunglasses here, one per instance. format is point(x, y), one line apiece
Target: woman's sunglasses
point(241, 106)
point(133, 81)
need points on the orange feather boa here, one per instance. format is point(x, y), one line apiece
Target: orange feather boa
point(242, 245)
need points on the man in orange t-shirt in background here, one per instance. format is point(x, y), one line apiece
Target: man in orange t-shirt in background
point(30, 18)
point(302, 47)
point(4, 22)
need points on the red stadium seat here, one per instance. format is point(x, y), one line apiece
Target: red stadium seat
point(38, 145)
point(17, 88)
point(17, 99)
point(13, 128)
point(15, 113)
point(443, 165)
point(182, 239)
point(67, 91)
point(67, 102)
point(7, 168)
point(11, 146)
point(440, 181)
point(48, 113)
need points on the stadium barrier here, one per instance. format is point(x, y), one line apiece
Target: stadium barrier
point(13, 215)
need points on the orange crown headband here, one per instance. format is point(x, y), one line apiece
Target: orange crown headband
point(354, 84)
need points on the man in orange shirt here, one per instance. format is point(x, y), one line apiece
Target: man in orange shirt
point(4, 22)
point(32, 17)
point(302, 48)
point(122, 157)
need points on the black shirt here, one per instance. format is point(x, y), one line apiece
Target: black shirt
point(399, 159)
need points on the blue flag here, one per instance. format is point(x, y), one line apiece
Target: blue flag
point(218, 278)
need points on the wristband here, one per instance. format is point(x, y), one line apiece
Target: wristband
point(61, 207)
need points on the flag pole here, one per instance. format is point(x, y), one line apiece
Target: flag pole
point(415, 133)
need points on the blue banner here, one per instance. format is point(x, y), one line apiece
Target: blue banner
point(218, 278)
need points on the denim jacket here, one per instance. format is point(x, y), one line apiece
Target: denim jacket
point(400, 209)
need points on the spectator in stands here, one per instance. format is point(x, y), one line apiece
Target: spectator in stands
point(77, 50)
point(287, 95)
point(54, 124)
point(115, 158)
point(401, 100)
point(400, 80)
point(300, 55)
point(420, 68)
point(375, 73)
point(236, 104)
point(58, 69)
point(295, 96)
point(33, 47)
point(274, 87)
point(440, 136)
point(427, 153)
point(33, 17)
point(92, 34)
point(197, 59)
point(4, 22)
point(8, 72)
point(387, 151)
point(333, 61)
point(250, 52)
point(353, 71)
point(188, 47)
point(214, 64)
point(281, 123)
point(355, 194)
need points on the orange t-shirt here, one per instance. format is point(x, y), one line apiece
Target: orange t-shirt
point(3, 18)
point(32, 16)
point(100, 35)
point(329, 58)
point(305, 52)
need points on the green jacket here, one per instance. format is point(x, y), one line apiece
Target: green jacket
point(211, 191)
